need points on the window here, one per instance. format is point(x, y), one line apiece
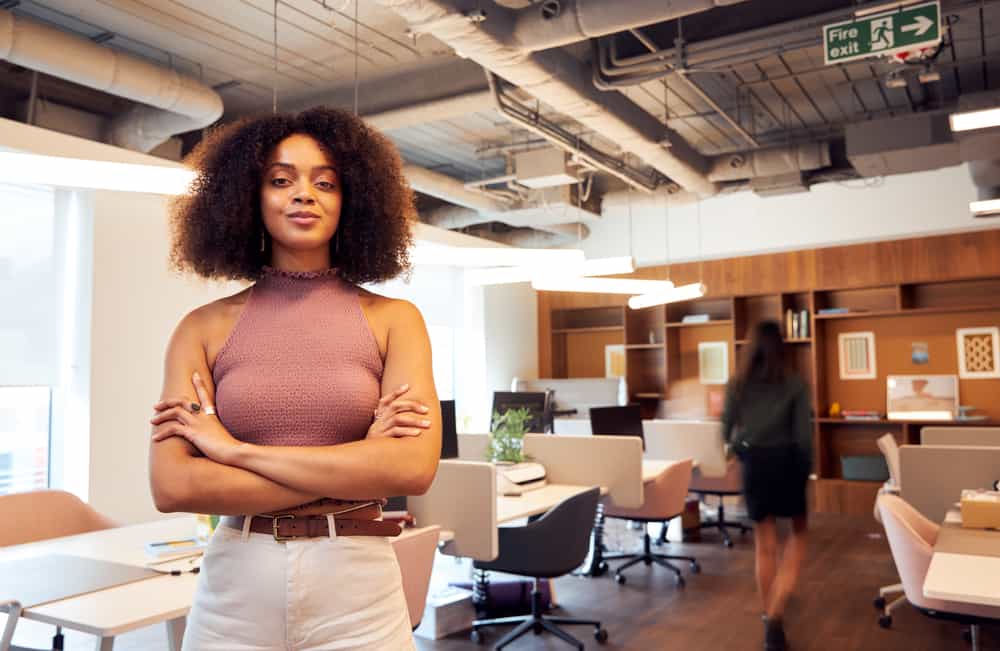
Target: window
point(24, 438)
point(443, 352)
point(32, 254)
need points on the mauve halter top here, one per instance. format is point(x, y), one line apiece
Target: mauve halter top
point(301, 366)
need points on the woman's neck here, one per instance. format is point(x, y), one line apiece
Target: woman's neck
point(300, 261)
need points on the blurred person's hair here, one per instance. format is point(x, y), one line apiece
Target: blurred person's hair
point(765, 361)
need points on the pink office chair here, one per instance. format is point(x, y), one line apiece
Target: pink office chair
point(415, 554)
point(890, 450)
point(664, 499)
point(911, 540)
point(41, 515)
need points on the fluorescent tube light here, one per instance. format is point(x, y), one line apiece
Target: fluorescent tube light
point(36, 169)
point(600, 285)
point(501, 256)
point(987, 208)
point(508, 275)
point(971, 120)
point(682, 293)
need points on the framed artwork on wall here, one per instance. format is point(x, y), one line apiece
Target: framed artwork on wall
point(922, 397)
point(857, 355)
point(713, 362)
point(614, 360)
point(978, 353)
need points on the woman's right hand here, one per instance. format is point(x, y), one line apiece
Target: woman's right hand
point(397, 418)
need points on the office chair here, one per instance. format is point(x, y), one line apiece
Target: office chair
point(664, 500)
point(551, 546)
point(890, 450)
point(911, 541)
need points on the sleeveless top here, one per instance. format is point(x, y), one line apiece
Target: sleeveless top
point(301, 366)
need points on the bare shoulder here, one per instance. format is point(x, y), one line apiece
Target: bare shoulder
point(391, 312)
point(211, 324)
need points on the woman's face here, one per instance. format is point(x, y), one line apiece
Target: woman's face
point(300, 197)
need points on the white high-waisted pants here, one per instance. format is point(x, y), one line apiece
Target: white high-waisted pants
point(311, 594)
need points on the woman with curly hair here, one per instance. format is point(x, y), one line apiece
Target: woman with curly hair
point(293, 407)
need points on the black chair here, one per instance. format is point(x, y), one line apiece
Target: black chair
point(553, 545)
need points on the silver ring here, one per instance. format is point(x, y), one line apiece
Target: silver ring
point(209, 410)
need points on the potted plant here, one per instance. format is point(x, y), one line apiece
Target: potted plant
point(507, 438)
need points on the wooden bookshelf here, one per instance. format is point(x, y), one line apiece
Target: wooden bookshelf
point(903, 291)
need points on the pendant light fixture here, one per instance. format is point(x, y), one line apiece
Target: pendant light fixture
point(674, 294)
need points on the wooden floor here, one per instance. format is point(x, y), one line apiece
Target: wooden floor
point(718, 609)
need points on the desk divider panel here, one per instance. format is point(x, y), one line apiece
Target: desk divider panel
point(472, 447)
point(614, 462)
point(462, 499)
point(931, 477)
point(683, 439)
point(976, 436)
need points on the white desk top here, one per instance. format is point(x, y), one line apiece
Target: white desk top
point(965, 578)
point(124, 608)
point(537, 501)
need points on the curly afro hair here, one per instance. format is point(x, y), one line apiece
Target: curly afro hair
point(218, 227)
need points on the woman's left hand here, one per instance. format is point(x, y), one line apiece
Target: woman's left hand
point(195, 421)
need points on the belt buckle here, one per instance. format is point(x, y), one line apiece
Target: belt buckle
point(274, 526)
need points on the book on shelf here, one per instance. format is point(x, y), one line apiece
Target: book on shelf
point(833, 310)
point(695, 318)
point(861, 414)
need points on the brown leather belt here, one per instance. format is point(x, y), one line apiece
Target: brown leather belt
point(288, 526)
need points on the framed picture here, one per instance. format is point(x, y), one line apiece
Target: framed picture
point(922, 397)
point(713, 362)
point(978, 353)
point(857, 355)
point(614, 360)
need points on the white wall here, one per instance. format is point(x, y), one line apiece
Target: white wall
point(740, 224)
point(511, 327)
point(136, 304)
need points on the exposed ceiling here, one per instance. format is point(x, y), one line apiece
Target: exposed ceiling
point(740, 78)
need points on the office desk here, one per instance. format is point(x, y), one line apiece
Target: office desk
point(965, 566)
point(117, 610)
point(536, 501)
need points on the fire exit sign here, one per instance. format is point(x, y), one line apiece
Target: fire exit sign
point(883, 34)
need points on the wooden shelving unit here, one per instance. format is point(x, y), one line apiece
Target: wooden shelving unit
point(661, 351)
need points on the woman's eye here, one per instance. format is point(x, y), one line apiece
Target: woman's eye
point(279, 182)
point(325, 185)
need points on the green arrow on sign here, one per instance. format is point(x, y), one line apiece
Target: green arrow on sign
point(884, 34)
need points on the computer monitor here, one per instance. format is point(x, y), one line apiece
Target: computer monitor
point(537, 402)
point(617, 421)
point(449, 435)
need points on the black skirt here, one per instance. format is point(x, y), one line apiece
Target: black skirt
point(774, 482)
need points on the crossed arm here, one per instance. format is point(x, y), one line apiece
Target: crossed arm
point(197, 466)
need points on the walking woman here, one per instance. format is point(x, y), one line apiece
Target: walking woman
point(293, 407)
point(766, 421)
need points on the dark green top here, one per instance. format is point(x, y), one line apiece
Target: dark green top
point(769, 415)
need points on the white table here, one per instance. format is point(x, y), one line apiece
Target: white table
point(117, 610)
point(965, 578)
point(112, 612)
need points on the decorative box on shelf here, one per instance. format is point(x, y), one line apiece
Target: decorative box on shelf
point(980, 509)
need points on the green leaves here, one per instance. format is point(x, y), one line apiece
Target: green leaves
point(507, 440)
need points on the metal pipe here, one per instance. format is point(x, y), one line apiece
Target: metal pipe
point(471, 185)
point(32, 97)
point(567, 141)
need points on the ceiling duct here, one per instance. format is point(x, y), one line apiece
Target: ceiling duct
point(532, 238)
point(553, 23)
point(171, 103)
point(561, 81)
point(771, 162)
point(911, 143)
